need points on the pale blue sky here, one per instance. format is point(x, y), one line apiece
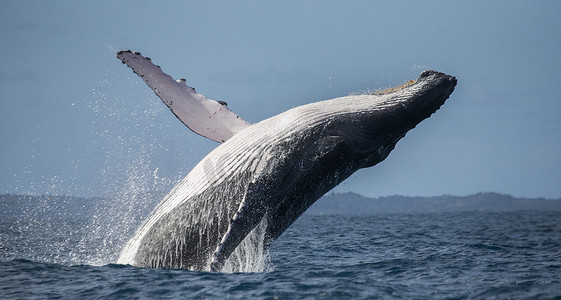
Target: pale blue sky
point(74, 120)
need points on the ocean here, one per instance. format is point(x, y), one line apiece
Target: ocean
point(455, 255)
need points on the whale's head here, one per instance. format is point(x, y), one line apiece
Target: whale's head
point(382, 119)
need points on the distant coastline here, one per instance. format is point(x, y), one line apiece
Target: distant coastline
point(355, 204)
point(49, 206)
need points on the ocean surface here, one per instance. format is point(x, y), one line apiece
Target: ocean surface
point(471, 255)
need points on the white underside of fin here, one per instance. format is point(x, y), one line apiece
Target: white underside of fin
point(209, 118)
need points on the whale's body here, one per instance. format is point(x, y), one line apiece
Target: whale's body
point(269, 173)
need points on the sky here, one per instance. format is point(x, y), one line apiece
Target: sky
point(75, 121)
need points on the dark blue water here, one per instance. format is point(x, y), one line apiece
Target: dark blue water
point(414, 256)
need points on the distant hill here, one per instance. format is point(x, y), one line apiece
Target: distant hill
point(354, 204)
point(48, 206)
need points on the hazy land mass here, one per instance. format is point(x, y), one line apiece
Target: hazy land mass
point(351, 203)
point(49, 206)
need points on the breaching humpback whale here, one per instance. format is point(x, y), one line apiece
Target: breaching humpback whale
point(266, 174)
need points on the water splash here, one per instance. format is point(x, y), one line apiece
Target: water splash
point(128, 138)
point(132, 185)
point(124, 179)
point(133, 137)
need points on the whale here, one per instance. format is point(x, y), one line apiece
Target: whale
point(262, 177)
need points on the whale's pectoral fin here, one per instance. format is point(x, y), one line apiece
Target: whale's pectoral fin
point(248, 216)
point(209, 118)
